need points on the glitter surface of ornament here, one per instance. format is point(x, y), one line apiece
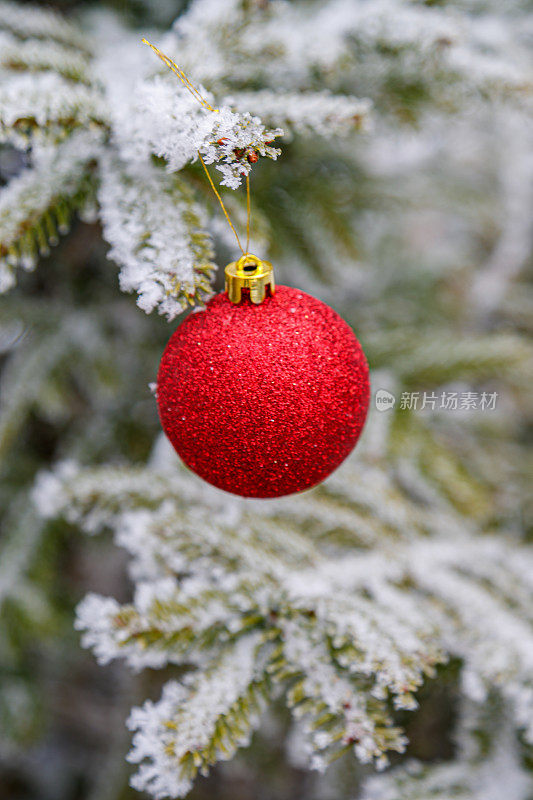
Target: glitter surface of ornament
point(263, 400)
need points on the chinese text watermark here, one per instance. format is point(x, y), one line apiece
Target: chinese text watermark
point(437, 401)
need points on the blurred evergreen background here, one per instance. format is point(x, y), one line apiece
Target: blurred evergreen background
point(419, 234)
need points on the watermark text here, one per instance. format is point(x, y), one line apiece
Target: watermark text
point(436, 401)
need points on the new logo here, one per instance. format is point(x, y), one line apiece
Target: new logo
point(384, 400)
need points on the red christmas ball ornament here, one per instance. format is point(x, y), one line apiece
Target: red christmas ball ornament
point(265, 392)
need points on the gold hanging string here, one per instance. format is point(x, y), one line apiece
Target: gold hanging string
point(214, 188)
point(203, 102)
point(181, 75)
point(248, 213)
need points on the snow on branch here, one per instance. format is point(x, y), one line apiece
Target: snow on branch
point(488, 597)
point(157, 236)
point(200, 720)
point(156, 628)
point(353, 720)
point(36, 205)
point(34, 55)
point(500, 776)
point(308, 113)
point(170, 123)
point(482, 356)
point(487, 764)
point(47, 107)
point(350, 633)
point(378, 41)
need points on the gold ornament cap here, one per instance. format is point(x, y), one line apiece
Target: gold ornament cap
point(251, 273)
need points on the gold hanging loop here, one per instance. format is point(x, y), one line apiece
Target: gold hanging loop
point(250, 273)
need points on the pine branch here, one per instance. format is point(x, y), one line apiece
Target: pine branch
point(438, 361)
point(36, 205)
point(405, 56)
point(169, 621)
point(201, 720)
point(47, 108)
point(157, 236)
point(348, 631)
point(474, 774)
point(35, 55)
point(168, 122)
point(434, 357)
point(347, 510)
point(336, 711)
point(309, 114)
point(29, 375)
